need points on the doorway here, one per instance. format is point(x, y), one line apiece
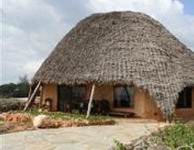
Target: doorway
point(70, 97)
point(64, 98)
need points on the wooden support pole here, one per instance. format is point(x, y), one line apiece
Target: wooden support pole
point(30, 92)
point(90, 101)
point(32, 96)
point(41, 97)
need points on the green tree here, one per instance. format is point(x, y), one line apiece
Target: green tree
point(7, 90)
point(23, 80)
point(20, 89)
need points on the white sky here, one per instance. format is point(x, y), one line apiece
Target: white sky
point(30, 29)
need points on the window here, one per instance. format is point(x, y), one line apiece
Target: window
point(78, 93)
point(123, 96)
point(185, 98)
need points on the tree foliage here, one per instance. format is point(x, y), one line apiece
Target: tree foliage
point(23, 80)
point(20, 89)
point(7, 90)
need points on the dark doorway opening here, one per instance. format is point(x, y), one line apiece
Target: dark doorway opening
point(70, 97)
point(185, 98)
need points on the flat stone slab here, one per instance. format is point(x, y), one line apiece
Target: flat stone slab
point(75, 138)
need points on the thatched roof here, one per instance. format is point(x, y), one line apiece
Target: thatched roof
point(122, 48)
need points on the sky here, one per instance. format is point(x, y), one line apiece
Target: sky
point(30, 29)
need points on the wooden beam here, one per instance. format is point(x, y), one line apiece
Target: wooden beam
point(41, 98)
point(90, 101)
point(32, 96)
point(30, 92)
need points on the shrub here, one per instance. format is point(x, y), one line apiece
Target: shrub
point(174, 137)
point(119, 145)
point(179, 135)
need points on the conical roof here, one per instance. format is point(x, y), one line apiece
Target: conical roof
point(122, 48)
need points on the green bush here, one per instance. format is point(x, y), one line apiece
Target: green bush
point(174, 137)
point(179, 135)
point(119, 145)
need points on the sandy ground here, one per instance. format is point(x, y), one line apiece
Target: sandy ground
point(75, 138)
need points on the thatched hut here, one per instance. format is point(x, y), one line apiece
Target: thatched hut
point(135, 63)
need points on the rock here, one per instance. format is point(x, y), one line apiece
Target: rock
point(39, 121)
point(5, 127)
point(148, 142)
point(158, 148)
point(3, 116)
point(15, 117)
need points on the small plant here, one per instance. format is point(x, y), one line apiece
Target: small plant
point(119, 145)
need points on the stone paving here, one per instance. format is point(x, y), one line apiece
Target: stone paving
point(75, 138)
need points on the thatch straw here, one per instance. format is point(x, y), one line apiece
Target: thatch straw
point(122, 48)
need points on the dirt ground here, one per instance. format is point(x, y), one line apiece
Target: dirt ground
point(76, 138)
